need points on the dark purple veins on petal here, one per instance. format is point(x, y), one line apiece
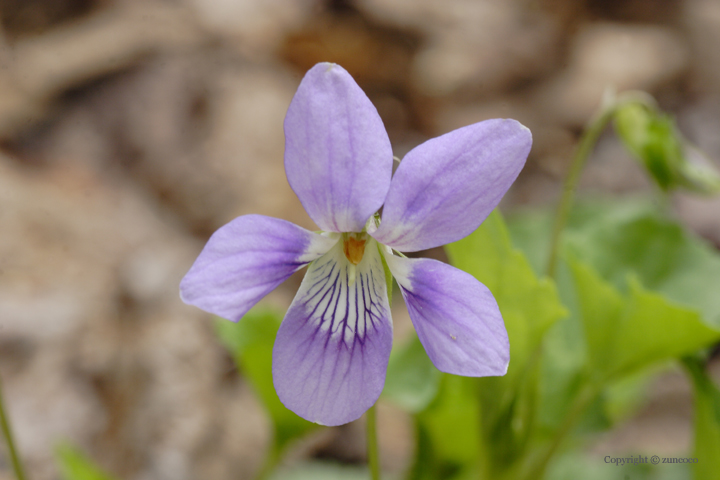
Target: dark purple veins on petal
point(332, 349)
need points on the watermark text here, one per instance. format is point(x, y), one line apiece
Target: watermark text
point(655, 460)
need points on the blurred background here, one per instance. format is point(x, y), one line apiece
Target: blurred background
point(131, 129)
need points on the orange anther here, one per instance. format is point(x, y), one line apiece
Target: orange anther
point(354, 249)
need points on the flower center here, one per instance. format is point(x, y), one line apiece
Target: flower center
point(354, 246)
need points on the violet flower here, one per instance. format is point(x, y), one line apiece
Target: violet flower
point(332, 349)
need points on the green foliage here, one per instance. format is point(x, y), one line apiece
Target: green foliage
point(562, 373)
point(250, 341)
point(75, 465)
point(412, 380)
point(625, 333)
point(622, 240)
point(448, 445)
point(625, 246)
point(640, 292)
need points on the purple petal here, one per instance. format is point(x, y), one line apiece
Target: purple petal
point(445, 188)
point(338, 157)
point(456, 317)
point(246, 259)
point(332, 349)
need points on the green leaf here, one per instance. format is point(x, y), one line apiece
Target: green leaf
point(653, 329)
point(564, 374)
point(620, 242)
point(529, 305)
point(412, 380)
point(625, 333)
point(250, 341)
point(601, 306)
point(530, 229)
point(561, 373)
point(530, 233)
point(75, 465)
point(448, 438)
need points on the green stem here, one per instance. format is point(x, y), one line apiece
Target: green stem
point(372, 444)
point(370, 416)
point(587, 142)
point(7, 433)
point(484, 457)
point(582, 401)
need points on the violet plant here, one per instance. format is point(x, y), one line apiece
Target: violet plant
point(542, 333)
point(589, 319)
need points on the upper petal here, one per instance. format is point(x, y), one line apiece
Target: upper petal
point(444, 188)
point(456, 317)
point(246, 259)
point(338, 157)
point(332, 349)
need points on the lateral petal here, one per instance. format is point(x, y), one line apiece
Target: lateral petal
point(332, 349)
point(338, 157)
point(445, 187)
point(456, 317)
point(246, 259)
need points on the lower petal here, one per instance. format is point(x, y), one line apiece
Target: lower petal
point(456, 317)
point(332, 349)
point(246, 259)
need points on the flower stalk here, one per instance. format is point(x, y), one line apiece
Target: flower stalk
point(7, 434)
point(373, 452)
point(582, 401)
point(589, 138)
point(372, 444)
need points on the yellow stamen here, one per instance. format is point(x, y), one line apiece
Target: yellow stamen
point(354, 249)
